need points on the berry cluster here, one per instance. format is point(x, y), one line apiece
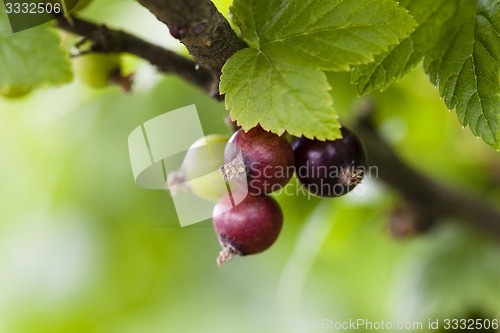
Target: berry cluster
point(256, 163)
point(264, 162)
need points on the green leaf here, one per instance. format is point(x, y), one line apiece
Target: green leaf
point(466, 67)
point(431, 17)
point(278, 82)
point(31, 58)
point(331, 34)
point(260, 90)
point(459, 41)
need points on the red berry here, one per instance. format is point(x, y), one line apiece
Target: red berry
point(246, 228)
point(267, 159)
point(330, 168)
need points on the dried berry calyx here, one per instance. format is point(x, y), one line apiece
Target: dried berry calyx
point(267, 159)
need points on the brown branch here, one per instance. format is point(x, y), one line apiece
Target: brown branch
point(115, 41)
point(431, 199)
point(201, 28)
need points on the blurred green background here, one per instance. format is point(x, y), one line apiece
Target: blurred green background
point(83, 249)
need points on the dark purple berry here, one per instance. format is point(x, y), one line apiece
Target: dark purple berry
point(249, 227)
point(267, 159)
point(330, 168)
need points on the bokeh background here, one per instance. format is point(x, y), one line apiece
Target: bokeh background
point(83, 249)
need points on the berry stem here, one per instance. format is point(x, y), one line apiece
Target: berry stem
point(227, 253)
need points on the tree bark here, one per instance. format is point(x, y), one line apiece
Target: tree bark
point(201, 28)
point(108, 40)
point(432, 200)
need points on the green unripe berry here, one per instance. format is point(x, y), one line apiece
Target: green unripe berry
point(13, 92)
point(201, 167)
point(96, 69)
